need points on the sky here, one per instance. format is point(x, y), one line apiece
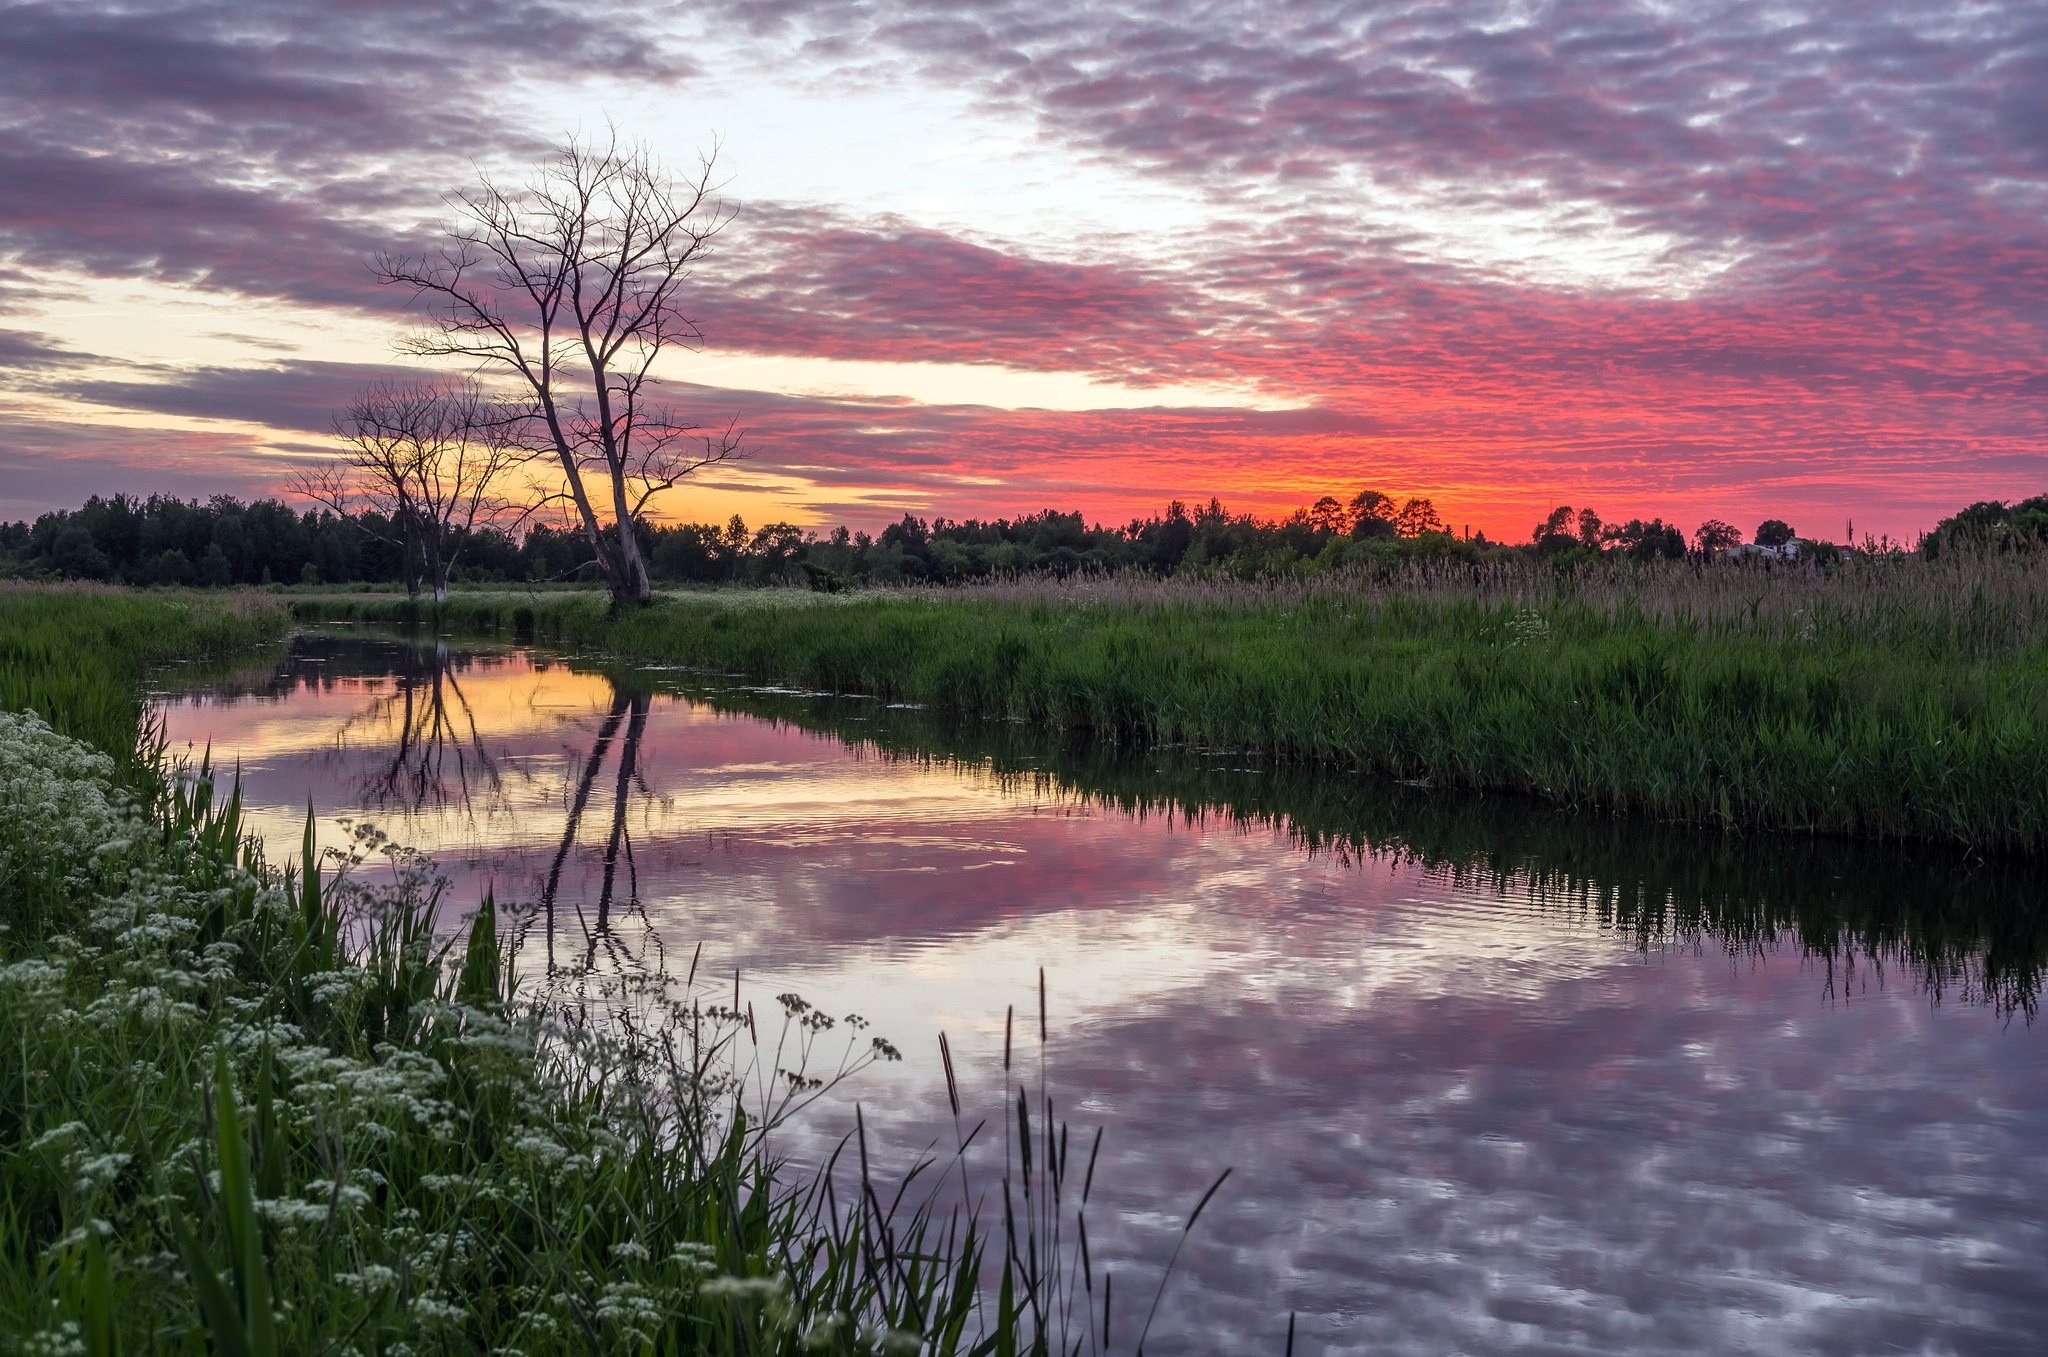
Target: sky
point(1733, 260)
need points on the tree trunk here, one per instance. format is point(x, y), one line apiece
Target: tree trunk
point(634, 570)
point(614, 579)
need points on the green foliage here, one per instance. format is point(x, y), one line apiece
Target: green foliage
point(1884, 697)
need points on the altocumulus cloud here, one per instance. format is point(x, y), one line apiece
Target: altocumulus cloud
point(1735, 257)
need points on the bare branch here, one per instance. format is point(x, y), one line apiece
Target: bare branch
point(571, 284)
point(429, 459)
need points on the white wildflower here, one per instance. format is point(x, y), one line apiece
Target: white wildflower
point(369, 1277)
point(434, 1310)
point(632, 1307)
point(824, 1333)
point(887, 1342)
point(98, 1170)
point(1527, 627)
point(696, 1260)
point(63, 1341)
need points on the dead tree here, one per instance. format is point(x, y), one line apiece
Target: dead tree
point(430, 460)
point(572, 285)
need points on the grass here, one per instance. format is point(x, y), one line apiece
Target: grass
point(1882, 698)
point(256, 1110)
point(78, 654)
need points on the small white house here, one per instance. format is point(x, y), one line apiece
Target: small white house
point(1752, 551)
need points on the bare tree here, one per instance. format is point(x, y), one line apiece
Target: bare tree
point(427, 458)
point(572, 284)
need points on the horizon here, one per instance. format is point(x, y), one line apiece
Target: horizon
point(1193, 509)
point(1680, 262)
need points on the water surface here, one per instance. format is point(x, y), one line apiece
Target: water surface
point(1492, 1078)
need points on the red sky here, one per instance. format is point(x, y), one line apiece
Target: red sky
point(1695, 260)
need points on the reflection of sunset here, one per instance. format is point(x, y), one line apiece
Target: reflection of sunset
point(704, 772)
point(758, 834)
point(1412, 1077)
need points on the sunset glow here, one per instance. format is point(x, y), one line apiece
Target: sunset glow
point(1681, 260)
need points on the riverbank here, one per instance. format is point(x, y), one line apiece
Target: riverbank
point(1889, 698)
point(79, 654)
point(264, 1109)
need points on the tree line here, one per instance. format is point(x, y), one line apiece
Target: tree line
point(224, 542)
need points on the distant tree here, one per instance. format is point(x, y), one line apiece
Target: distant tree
point(1372, 515)
point(1773, 532)
point(1327, 515)
point(1990, 523)
point(429, 460)
point(173, 567)
point(1714, 535)
point(1417, 517)
point(1647, 540)
point(1558, 524)
point(78, 556)
point(572, 285)
point(215, 572)
point(1589, 529)
point(1556, 534)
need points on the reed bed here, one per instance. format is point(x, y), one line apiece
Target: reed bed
point(1885, 697)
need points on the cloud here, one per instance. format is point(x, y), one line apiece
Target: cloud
point(46, 463)
point(22, 350)
point(1710, 256)
point(818, 282)
point(269, 149)
point(297, 396)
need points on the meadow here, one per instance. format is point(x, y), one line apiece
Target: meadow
point(256, 1109)
point(1889, 697)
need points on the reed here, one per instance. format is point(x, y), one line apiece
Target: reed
point(79, 654)
point(1882, 697)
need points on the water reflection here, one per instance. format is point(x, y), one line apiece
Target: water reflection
point(631, 707)
point(1963, 927)
point(428, 747)
point(1496, 1079)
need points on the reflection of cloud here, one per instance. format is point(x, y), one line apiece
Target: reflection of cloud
point(1460, 1121)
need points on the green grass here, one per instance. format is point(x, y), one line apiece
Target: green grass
point(253, 1111)
point(78, 654)
point(1884, 698)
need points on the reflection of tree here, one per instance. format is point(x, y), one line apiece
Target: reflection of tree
point(438, 756)
point(629, 709)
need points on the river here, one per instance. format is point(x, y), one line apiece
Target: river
point(1490, 1077)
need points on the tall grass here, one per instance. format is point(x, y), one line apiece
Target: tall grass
point(78, 654)
point(1884, 698)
